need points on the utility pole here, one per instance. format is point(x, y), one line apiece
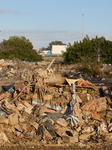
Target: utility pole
point(82, 26)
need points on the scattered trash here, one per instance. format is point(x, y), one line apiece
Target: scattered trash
point(42, 105)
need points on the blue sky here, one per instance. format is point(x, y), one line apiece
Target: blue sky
point(44, 21)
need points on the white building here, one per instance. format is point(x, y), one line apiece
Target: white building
point(57, 49)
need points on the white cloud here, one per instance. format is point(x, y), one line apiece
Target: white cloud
point(8, 11)
point(41, 38)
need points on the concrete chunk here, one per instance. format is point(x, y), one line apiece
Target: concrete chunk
point(4, 137)
point(69, 139)
point(13, 119)
point(62, 122)
point(85, 136)
point(3, 121)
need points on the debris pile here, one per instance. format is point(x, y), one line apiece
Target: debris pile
point(52, 109)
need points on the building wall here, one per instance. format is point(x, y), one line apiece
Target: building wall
point(56, 49)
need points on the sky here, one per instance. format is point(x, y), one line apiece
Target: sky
point(44, 21)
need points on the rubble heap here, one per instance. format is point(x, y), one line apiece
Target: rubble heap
point(54, 110)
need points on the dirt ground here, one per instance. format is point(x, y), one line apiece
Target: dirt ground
point(50, 58)
point(91, 146)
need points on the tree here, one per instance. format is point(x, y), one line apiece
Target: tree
point(19, 47)
point(95, 50)
point(42, 49)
